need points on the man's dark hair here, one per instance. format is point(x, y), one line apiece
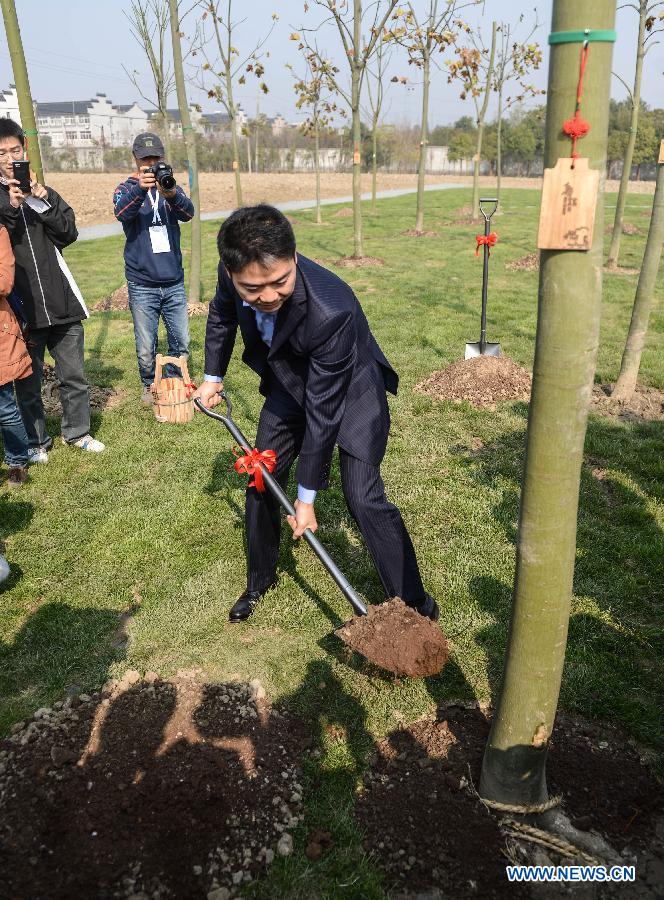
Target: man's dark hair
point(11, 129)
point(259, 234)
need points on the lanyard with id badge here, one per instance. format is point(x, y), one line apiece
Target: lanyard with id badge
point(158, 231)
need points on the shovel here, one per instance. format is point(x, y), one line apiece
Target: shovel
point(275, 489)
point(483, 347)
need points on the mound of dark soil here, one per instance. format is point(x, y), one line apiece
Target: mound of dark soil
point(646, 404)
point(398, 639)
point(431, 836)
point(100, 397)
point(358, 262)
point(118, 301)
point(527, 263)
point(413, 232)
point(482, 381)
point(152, 789)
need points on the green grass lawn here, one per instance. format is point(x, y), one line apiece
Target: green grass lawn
point(159, 516)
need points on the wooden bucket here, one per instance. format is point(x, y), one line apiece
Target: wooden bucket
point(172, 401)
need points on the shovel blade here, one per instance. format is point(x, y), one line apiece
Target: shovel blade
point(473, 350)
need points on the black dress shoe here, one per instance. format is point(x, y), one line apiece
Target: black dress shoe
point(429, 608)
point(246, 603)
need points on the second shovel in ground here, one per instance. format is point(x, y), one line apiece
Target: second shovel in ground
point(488, 207)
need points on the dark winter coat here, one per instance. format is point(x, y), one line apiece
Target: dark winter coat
point(45, 293)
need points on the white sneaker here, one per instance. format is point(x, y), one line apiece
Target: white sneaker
point(87, 442)
point(37, 455)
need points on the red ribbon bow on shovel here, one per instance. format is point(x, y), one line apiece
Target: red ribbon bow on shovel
point(251, 464)
point(489, 239)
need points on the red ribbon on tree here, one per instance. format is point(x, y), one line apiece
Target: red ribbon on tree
point(251, 464)
point(489, 239)
point(577, 127)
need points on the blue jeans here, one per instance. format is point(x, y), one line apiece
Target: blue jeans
point(147, 304)
point(14, 436)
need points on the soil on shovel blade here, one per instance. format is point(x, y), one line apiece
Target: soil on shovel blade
point(398, 639)
point(482, 381)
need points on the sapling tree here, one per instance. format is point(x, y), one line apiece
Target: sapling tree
point(645, 290)
point(570, 298)
point(22, 82)
point(149, 24)
point(229, 67)
point(347, 17)
point(376, 97)
point(650, 23)
point(473, 68)
point(425, 37)
point(190, 143)
point(315, 91)
point(515, 61)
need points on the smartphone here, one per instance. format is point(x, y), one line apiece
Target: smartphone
point(22, 174)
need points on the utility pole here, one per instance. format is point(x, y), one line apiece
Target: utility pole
point(20, 70)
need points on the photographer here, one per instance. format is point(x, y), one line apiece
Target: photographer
point(150, 206)
point(40, 225)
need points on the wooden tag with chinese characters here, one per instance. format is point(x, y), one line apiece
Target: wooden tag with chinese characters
point(236, 165)
point(661, 152)
point(569, 199)
point(356, 158)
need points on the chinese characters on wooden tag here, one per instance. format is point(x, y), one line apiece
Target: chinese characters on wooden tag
point(356, 158)
point(569, 199)
point(661, 153)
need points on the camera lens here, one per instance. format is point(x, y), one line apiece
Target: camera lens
point(167, 181)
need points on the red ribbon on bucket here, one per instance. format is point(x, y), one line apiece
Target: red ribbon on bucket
point(251, 464)
point(489, 239)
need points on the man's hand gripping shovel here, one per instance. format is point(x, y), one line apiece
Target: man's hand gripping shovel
point(274, 488)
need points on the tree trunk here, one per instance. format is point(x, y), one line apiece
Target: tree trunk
point(614, 249)
point(513, 770)
point(638, 327)
point(22, 83)
point(236, 159)
point(319, 217)
point(374, 163)
point(499, 135)
point(248, 154)
point(424, 134)
point(480, 128)
point(190, 143)
point(356, 72)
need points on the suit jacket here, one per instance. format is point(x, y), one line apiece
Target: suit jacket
point(323, 355)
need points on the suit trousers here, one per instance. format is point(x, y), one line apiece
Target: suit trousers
point(281, 428)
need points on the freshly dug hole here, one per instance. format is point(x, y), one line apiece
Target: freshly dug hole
point(398, 639)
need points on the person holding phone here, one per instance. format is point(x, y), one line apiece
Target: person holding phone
point(40, 225)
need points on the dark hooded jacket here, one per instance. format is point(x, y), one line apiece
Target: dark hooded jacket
point(45, 292)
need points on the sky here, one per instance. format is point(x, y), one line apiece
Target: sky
point(76, 49)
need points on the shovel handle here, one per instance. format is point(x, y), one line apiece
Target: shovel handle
point(275, 489)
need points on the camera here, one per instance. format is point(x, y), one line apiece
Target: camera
point(163, 174)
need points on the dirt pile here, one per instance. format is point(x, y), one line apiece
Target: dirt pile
point(152, 788)
point(482, 381)
point(197, 309)
point(100, 397)
point(358, 262)
point(527, 263)
point(118, 301)
point(413, 232)
point(427, 772)
point(646, 404)
point(398, 639)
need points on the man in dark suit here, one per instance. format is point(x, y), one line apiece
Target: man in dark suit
point(324, 378)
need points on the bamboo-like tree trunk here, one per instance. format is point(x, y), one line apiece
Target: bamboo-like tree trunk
point(566, 347)
point(480, 127)
point(190, 143)
point(22, 82)
point(424, 139)
point(638, 327)
point(614, 249)
point(499, 138)
point(319, 217)
point(374, 162)
point(356, 74)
